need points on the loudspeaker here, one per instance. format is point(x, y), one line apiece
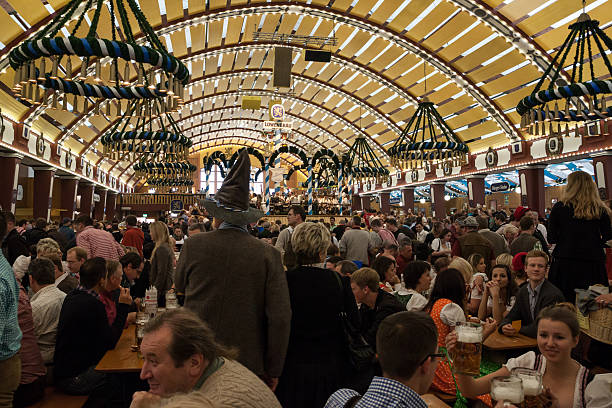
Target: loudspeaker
point(317, 56)
point(282, 67)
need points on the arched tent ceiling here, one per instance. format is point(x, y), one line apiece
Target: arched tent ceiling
point(479, 57)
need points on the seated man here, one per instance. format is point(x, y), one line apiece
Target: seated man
point(63, 280)
point(83, 332)
point(132, 267)
point(376, 304)
point(532, 297)
point(46, 305)
point(408, 355)
point(75, 257)
point(181, 356)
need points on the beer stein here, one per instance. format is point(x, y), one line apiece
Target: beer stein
point(467, 354)
point(508, 390)
point(532, 386)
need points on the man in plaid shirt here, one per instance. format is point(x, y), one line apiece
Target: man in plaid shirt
point(10, 333)
point(407, 344)
point(97, 242)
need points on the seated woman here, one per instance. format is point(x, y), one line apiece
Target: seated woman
point(478, 281)
point(499, 294)
point(467, 272)
point(504, 259)
point(565, 380)
point(387, 270)
point(417, 277)
point(446, 307)
point(346, 268)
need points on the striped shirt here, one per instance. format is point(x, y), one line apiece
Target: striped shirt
point(100, 243)
point(10, 333)
point(383, 392)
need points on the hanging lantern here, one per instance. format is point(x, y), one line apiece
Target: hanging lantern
point(134, 139)
point(107, 70)
point(362, 162)
point(552, 111)
point(420, 145)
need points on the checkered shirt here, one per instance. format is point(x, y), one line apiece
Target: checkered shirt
point(10, 333)
point(383, 392)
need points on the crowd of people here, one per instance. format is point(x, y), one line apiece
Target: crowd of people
point(281, 200)
point(357, 312)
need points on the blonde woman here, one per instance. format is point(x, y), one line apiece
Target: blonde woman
point(579, 225)
point(162, 261)
point(474, 283)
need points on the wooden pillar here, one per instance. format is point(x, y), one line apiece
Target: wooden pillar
point(86, 190)
point(69, 193)
point(9, 168)
point(356, 202)
point(385, 204)
point(438, 207)
point(602, 165)
point(408, 199)
point(476, 190)
point(99, 206)
point(531, 179)
point(43, 192)
point(365, 202)
point(111, 205)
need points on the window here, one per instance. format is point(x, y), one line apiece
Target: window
point(216, 179)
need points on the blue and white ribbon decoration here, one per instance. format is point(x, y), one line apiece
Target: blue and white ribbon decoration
point(309, 188)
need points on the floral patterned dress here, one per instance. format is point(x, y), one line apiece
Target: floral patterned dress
point(443, 378)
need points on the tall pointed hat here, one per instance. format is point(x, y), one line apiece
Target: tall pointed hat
point(231, 202)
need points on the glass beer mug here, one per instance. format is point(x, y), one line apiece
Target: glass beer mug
point(532, 386)
point(466, 357)
point(508, 390)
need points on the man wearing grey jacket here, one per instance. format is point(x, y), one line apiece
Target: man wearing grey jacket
point(356, 243)
point(235, 282)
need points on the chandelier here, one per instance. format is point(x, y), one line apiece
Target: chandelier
point(105, 70)
point(427, 140)
point(363, 164)
point(166, 169)
point(583, 99)
point(167, 184)
point(134, 139)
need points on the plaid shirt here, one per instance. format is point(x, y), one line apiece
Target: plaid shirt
point(10, 333)
point(383, 392)
point(99, 243)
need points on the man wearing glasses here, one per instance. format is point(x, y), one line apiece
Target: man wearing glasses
point(408, 355)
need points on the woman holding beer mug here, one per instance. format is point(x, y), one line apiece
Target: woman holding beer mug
point(499, 294)
point(446, 307)
point(552, 379)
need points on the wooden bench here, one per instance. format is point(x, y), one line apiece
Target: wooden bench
point(447, 398)
point(54, 398)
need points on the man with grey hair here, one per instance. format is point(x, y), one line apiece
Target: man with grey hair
point(356, 243)
point(46, 305)
point(473, 243)
point(182, 356)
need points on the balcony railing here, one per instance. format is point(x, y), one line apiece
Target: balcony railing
point(162, 199)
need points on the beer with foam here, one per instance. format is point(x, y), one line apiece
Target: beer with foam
point(532, 387)
point(467, 353)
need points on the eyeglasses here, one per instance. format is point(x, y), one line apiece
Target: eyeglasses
point(433, 355)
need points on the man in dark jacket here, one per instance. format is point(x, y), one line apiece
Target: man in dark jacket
point(473, 243)
point(83, 332)
point(13, 244)
point(37, 233)
point(532, 297)
point(376, 304)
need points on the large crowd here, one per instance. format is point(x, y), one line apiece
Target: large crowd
point(357, 311)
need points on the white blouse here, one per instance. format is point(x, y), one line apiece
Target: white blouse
point(508, 307)
point(594, 396)
point(417, 302)
point(476, 293)
point(452, 314)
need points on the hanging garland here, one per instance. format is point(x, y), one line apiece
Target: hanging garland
point(161, 77)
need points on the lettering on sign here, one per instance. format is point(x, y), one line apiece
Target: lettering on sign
point(270, 124)
point(500, 187)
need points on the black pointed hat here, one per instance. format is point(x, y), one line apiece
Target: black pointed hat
point(231, 202)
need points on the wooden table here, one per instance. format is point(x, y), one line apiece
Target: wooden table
point(433, 401)
point(498, 341)
point(122, 359)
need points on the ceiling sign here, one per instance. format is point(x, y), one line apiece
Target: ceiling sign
point(500, 187)
point(270, 124)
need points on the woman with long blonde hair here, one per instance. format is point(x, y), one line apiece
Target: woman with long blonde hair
point(162, 261)
point(579, 225)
